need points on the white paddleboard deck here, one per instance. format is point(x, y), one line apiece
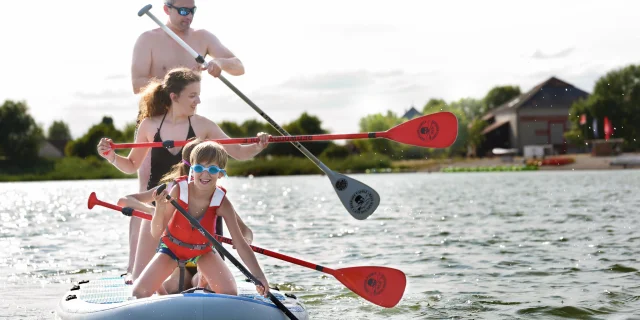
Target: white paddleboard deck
point(110, 298)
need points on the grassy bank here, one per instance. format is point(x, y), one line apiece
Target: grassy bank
point(68, 168)
point(72, 168)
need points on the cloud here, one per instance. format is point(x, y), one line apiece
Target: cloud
point(562, 54)
point(331, 81)
point(348, 81)
point(106, 94)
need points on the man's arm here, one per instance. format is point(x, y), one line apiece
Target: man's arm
point(141, 62)
point(222, 56)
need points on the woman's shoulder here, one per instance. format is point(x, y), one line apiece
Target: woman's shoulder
point(205, 128)
point(149, 123)
point(202, 121)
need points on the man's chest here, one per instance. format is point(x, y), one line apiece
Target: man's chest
point(167, 55)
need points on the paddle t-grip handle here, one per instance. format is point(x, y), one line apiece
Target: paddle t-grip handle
point(144, 10)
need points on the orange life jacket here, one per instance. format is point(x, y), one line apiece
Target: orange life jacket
point(180, 237)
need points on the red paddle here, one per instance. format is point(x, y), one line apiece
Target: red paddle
point(380, 285)
point(437, 130)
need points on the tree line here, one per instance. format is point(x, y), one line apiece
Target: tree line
point(616, 95)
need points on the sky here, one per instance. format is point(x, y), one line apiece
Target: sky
point(338, 60)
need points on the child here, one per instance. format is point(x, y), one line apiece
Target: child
point(141, 201)
point(180, 242)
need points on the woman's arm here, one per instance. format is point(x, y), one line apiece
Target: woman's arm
point(236, 151)
point(131, 163)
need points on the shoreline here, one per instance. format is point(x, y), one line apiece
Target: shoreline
point(98, 170)
point(582, 161)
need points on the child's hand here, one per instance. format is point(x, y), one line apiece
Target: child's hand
point(264, 289)
point(161, 198)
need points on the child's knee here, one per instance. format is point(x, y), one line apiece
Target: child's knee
point(141, 292)
point(229, 291)
point(195, 281)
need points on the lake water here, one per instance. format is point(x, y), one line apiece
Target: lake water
point(526, 245)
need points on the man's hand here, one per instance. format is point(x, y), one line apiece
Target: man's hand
point(213, 68)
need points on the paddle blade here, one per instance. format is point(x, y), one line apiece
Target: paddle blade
point(380, 285)
point(92, 200)
point(436, 130)
point(359, 199)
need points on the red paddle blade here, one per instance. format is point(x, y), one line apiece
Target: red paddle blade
point(436, 130)
point(380, 285)
point(92, 200)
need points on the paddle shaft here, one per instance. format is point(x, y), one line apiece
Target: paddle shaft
point(272, 139)
point(125, 210)
point(143, 215)
point(226, 253)
point(201, 61)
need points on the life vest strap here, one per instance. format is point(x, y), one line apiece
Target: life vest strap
point(187, 245)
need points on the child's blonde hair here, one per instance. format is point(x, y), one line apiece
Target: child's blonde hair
point(209, 152)
point(181, 168)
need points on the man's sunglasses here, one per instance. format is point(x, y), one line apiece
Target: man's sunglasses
point(183, 11)
point(212, 169)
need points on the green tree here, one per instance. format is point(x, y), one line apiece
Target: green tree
point(434, 105)
point(128, 134)
point(59, 131)
point(304, 125)
point(252, 127)
point(378, 122)
point(475, 136)
point(499, 95)
point(86, 145)
point(616, 96)
point(20, 136)
point(232, 129)
point(334, 151)
point(579, 134)
point(472, 108)
point(459, 147)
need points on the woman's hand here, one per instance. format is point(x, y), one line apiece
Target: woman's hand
point(105, 151)
point(264, 139)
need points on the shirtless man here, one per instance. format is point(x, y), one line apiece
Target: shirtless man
point(155, 53)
